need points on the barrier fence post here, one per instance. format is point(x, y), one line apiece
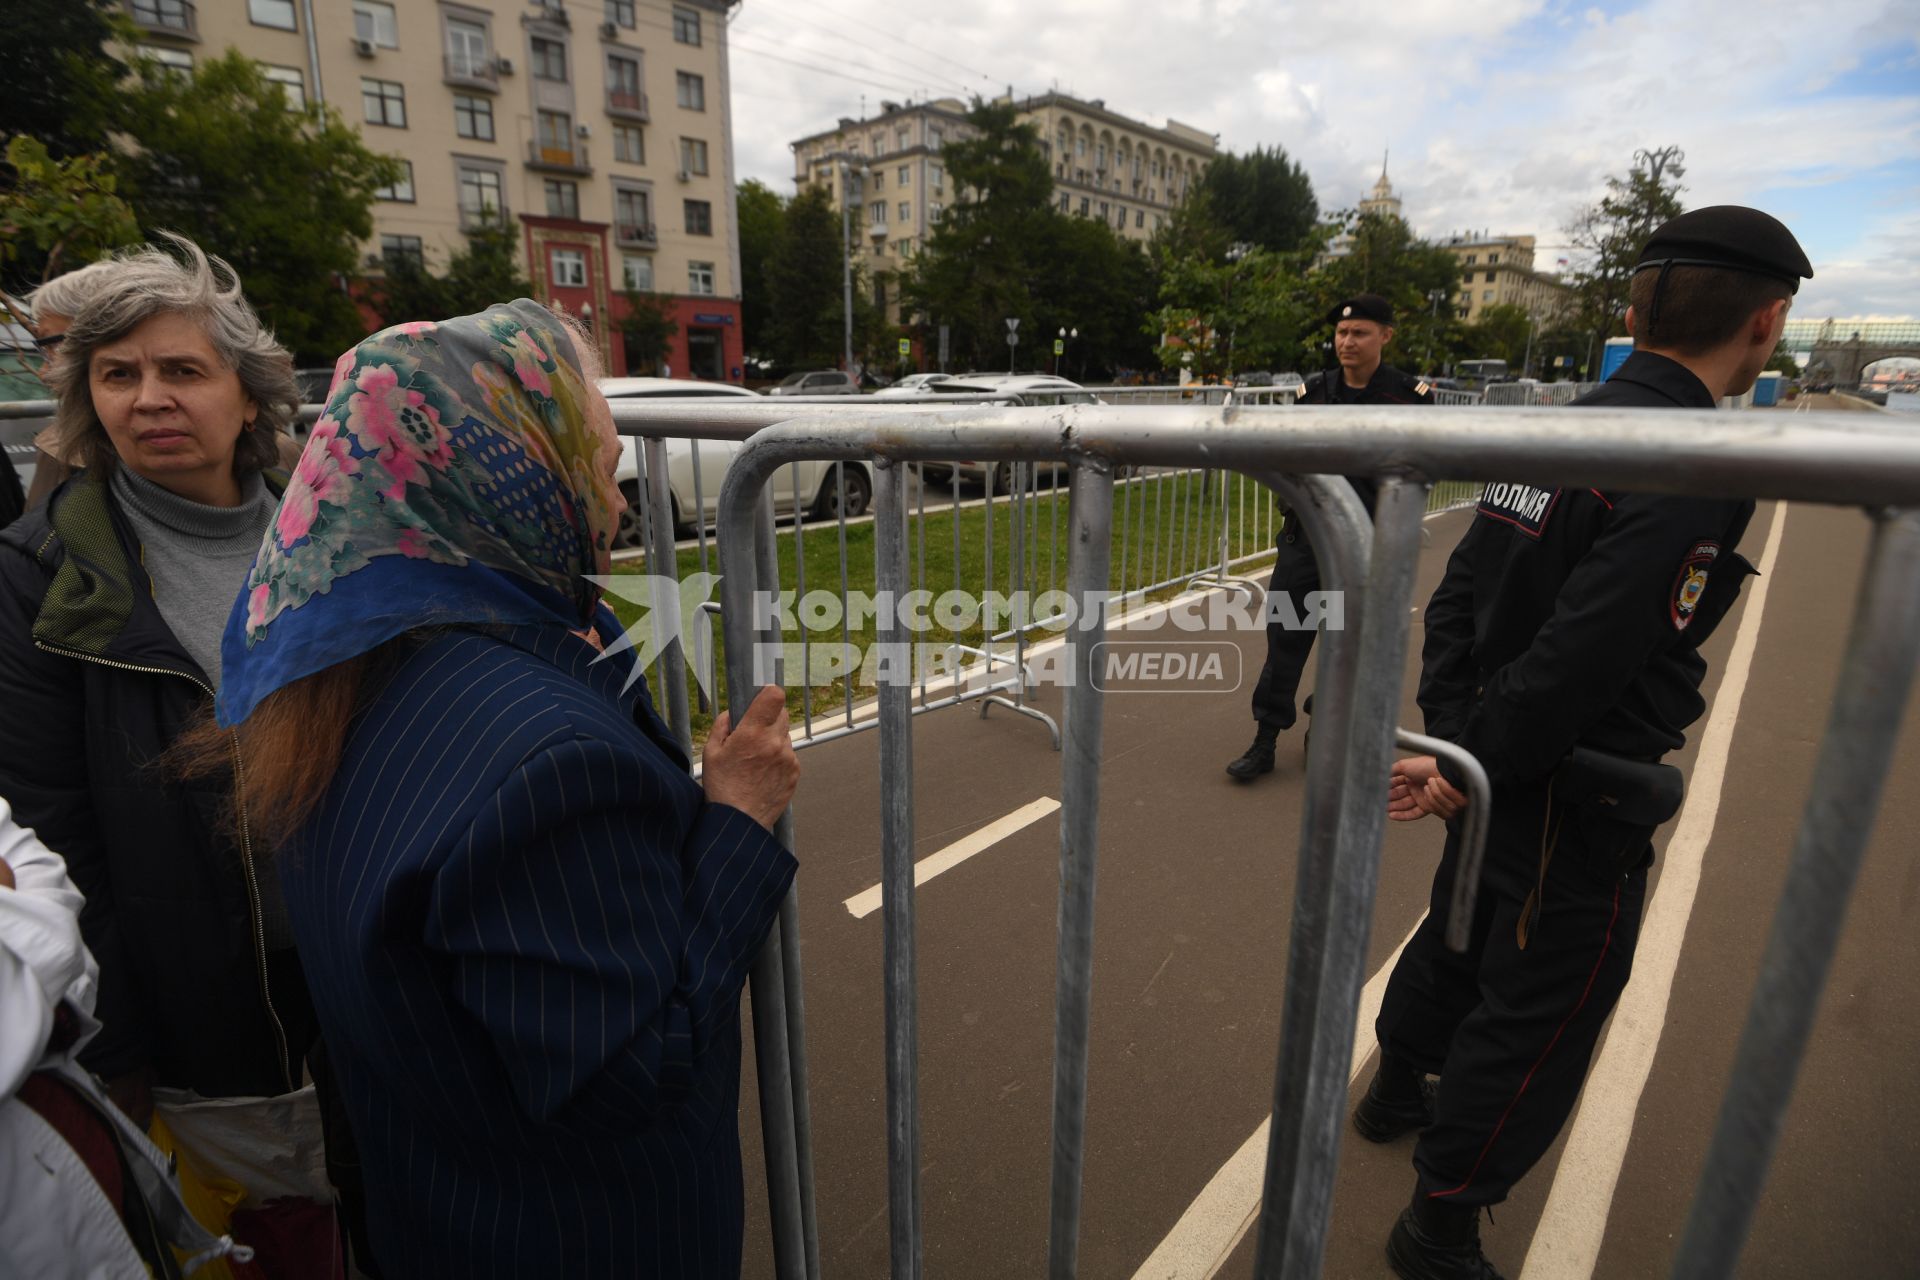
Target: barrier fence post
point(663, 561)
point(1089, 562)
point(1848, 781)
point(896, 873)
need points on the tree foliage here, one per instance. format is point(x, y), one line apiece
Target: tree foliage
point(647, 330)
point(486, 271)
point(1386, 258)
point(1611, 233)
point(762, 216)
point(1246, 313)
point(58, 214)
point(1262, 198)
point(284, 194)
point(59, 77)
point(1500, 333)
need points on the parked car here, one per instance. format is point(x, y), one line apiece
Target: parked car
point(1289, 382)
point(915, 384)
point(1032, 388)
point(816, 382)
point(818, 494)
point(20, 360)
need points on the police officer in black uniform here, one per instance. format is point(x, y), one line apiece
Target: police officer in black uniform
point(1563, 650)
point(1362, 327)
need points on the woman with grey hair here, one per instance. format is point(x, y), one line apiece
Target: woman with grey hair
point(52, 307)
point(172, 396)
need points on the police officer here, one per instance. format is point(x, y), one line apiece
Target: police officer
point(1362, 327)
point(1563, 650)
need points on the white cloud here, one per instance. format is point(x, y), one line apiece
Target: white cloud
point(1501, 114)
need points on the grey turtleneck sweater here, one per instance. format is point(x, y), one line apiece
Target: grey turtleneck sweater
point(197, 556)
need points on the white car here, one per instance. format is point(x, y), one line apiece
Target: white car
point(817, 493)
point(1033, 389)
point(915, 384)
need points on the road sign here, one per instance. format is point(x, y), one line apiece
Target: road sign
point(1013, 324)
point(1013, 339)
point(906, 347)
point(1059, 347)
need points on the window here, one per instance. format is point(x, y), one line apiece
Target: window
point(384, 102)
point(699, 217)
point(937, 176)
point(620, 13)
point(623, 84)
point(1083, 206)
point(690, 90)
point(700, 278)
point(935, 209)
point(549, 59)
point(904, 212)
point(1492, 258)
point(1080, 147)
point(401, 190)
point(1066, 203)
point(479, 196)
point(556, 132)
point(271, 13)
point(905, 175)
point(467, 50)
point(1487, 296)
point(903, 138)
point(1139, 217)
point(178, 62)
point(473, 116)
point(693, 155)
point(629, 144)
point(292, 81)
point(409, 248)
point(1120, 215)
point(879, 180)
point(1100, 157)
point(1489, 277)
point(568, 268)
point(1467, 278)
point(637, 271)
point(632, 214)
point(936, 136)
point(1103, 211)
point(373, 20)
point(1472, 258)
point(563, 198)
point(877, 213)
point(686, 26)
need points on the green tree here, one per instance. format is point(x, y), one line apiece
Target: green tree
point(804, 283)
point(1611, 233)
point(1248, 312)
point(647, 330)
point(1262, 198)
point(59, 77)
point(1418, 278)
point(284, 194)
point(763, 224)
point(58, 214)
point(486, 271)
point(1500, 333)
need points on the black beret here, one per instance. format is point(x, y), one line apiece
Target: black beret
point(1362, 306)
point(1730, 236)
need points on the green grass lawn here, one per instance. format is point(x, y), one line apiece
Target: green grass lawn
point(1172, 528)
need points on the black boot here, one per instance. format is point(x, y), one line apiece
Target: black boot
point(1397, 1102)
point(1438, 1240)
point(1256, 759)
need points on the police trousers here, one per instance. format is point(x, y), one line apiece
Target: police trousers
point(1510, 1029)
point(1294, 575)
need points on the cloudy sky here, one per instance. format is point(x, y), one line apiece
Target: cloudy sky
point(1502, 115)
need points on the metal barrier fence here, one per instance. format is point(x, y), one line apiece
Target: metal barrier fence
point(1541, 394)
point(1817, 458)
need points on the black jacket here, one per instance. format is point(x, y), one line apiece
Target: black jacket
point(1388, 385)
point(93, 689)
point(1573, 617)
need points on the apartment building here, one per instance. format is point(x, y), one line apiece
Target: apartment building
point(1498, 270)
point(1105, 165)
point(603, 127)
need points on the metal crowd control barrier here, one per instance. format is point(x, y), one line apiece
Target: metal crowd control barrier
point(1815, 458)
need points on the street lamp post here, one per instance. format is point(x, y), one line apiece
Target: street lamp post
point(1435, 297)
point(1059, 354)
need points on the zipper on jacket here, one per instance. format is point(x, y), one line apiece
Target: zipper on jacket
point(246, 839)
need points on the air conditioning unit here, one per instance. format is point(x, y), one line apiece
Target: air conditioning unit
point(583, 131)
point(363, 47)
point(503, 65)
point(609, 31)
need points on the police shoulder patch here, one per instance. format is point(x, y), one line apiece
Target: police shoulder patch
point(1421, 388)
point(1691, 583)
point(1522, 506)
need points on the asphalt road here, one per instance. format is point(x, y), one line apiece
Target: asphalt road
point(1194, 902)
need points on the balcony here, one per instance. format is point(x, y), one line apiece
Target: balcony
point(558, 158)
point(636, 235)
point(177, 18)
point(878, 230)
point(464, 71)
point(628, 105)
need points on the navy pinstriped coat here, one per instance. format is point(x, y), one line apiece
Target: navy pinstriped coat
point(526, 934)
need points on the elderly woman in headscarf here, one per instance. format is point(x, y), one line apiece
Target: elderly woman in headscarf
point(525, 925)
point(112, 601)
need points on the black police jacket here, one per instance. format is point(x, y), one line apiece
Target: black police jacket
point(1388, 385)
point(1573, 617)
point(94, 688)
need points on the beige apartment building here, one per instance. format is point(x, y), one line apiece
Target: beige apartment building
point(1105, 165)
point(603, 127)
point(1498, 270)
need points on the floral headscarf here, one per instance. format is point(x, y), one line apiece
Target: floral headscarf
point(452, 477)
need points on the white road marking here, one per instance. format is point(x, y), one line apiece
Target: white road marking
point(1227, 1207)
point(1566, 1243)
point(867, 902)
